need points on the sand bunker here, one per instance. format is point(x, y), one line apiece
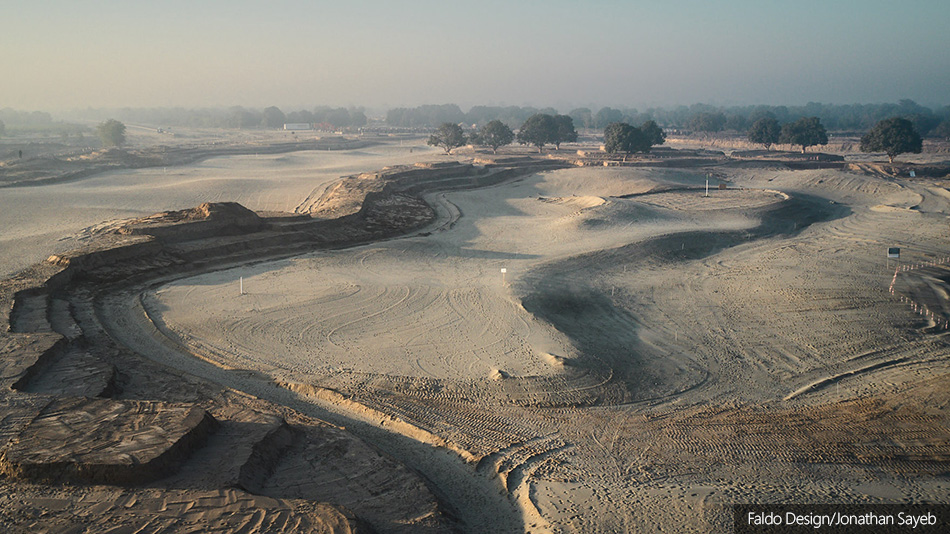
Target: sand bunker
point(437, 306)
point(375, 310)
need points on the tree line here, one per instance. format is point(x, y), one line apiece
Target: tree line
point(15, 122)
point(537, 130)
point(543, 129)
point(893, 136)
point(232, 117)
point(695, 118)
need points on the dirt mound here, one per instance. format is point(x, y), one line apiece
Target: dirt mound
point(224, 510)
point(786, 156)
point(207, 220)
point(902, 170)
point(209, 211)
point(116, 156)
point(106, 441)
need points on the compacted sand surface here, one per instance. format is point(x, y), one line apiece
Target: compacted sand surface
point(715, 320)
point(434, 306)
point(648, 357)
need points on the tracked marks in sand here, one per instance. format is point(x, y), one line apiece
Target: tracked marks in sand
point(407, 292)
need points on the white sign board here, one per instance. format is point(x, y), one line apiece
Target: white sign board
point(894, 252)
point(503, 270)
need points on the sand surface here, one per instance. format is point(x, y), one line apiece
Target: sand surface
point(777, 291)
point(38, 221)
point(436, 306)
point(649, 357)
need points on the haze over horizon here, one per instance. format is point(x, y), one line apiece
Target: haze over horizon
point(64, 55)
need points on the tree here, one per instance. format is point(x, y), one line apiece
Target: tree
point(448, 136)
point(893, 136)
point(111, 132)
point(806, 131)
point(495, 134)
point(357, 118)
point(765, 131)
point(942, 130)
point(338, 117)
point(607, 116)
point(273, 118)
point(301, 116)
point(539, 130)
point(707, 122)
point(653, 133)
point(239, 117)
point(3, 129)
point(565, 131)
point(761, 112)
point(621, 137)
point(736, 123)
point(582, 117)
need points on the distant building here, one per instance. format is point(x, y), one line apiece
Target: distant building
point(298, 126)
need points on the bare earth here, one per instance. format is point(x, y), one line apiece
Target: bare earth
point(649, 357)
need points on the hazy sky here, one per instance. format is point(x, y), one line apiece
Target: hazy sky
point(298, 54)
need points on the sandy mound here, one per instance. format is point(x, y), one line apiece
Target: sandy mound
point(582, 202)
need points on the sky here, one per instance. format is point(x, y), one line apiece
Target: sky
point(295, 54)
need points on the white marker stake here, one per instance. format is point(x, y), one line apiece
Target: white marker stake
point(503, 271)
point(242, 285)
point(707, 187)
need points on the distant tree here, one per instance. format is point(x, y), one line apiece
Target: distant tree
point(3, 129)
point(273, 117)
point(539, 130)
point(765, 131)
point(923, 122)
point(340, 117)
point(303, 116)
point(634, 118)
point(583, 117)
point(761, 112)
point(111, 132)
point(736, 123)
point(495, 134)
point(707, 122)
point(653, 133)
point(239, 117)
point(448, 136)
point(357, 118)
point(892, 136)
point(565, 131)
point(607, 116)
point(942, 130)
point(621, 137)
point(806, 132)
